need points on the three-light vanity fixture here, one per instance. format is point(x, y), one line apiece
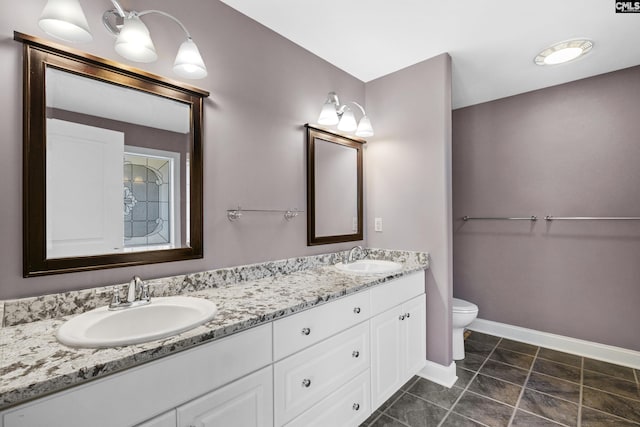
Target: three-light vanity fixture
point(65, 20)
point(335, 114)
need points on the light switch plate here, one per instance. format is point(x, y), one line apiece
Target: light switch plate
point(378, 224)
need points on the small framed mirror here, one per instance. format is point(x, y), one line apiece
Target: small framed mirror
point(334, 187)
point(112, 163)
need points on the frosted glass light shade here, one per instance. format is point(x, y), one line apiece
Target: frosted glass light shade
point(134, 41)
point(563, 52)
point(189, 63)
point(65, 20)
point(328, 115)
point(347, 121)
point(365, 129)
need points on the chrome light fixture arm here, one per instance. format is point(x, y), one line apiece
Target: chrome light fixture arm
point(139, 48)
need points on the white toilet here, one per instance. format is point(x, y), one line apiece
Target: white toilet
point(464, 313)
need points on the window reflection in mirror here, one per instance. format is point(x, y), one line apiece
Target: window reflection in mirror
point(334, 187)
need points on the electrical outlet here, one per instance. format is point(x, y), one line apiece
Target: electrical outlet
point(378, 224)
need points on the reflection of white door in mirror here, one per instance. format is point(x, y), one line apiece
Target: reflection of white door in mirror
point(84, 196)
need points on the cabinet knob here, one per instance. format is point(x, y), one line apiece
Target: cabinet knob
point(355, 354)
point(306, 382)
point(402, 317)
point(356, 310)
point(408, 315)
point(306, 331)
point(356, 406)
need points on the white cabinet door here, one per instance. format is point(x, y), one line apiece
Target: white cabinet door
point(386, 356)
point(168, 419)
point(415, 335)
point(247, 402)
point(398, 347)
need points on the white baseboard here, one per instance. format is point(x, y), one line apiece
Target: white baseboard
point(606, 353)
point(439, 374)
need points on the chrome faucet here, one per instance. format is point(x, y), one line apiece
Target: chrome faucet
point(137, 295)
point(350, 258)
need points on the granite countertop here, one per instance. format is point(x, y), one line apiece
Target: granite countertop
point(33, 363)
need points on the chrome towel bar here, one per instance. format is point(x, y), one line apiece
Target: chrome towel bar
point(591, 218)
point(531, 218)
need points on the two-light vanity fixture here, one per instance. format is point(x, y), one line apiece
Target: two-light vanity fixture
point(65, 19)
point(333, 113)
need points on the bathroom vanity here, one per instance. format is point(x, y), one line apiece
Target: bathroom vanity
point(313, 347)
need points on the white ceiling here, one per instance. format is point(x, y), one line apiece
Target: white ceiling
point(492, 42)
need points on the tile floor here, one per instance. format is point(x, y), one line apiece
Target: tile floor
point(509, 383)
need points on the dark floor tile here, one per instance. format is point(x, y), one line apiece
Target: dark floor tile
point(371, 419)
point(406, 386)
point(496, 389)
point(482, 337)
point(471, 361)
point(504, 372)
point(609, 369)
point(525, 419)
point(483, 410)
point(558, 370)
point(464, 377)
point(518, 346)
point(554, 386)
point(611, 404)
point(416, 412)
point(612, 385)
point(549, 407)
point(385, 421)
point(560, 357)
point(591, 418)
point(435, 393)
point(482, 349)
point(455, 420)
point(390, 400)
point(512, 358)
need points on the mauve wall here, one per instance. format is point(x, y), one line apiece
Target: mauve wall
point(408, 177)
point(569, 150)
point(263, 90)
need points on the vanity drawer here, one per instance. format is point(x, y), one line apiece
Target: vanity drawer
point(350, 405)
point(301, 330)
point(383, 297)
point(302, 380)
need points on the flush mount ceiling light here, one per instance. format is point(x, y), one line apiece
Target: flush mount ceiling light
point(563, 52)
point(333, 113)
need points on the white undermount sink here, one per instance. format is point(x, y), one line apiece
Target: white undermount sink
point(163, 317)
point(369, 266)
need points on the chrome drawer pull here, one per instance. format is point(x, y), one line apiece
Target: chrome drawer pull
point(355, 354)
point(306, 331)
point(306, 382)
point(356, 310)
point(402, 317)
point(356, 406)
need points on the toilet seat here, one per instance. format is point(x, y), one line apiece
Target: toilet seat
point(462, 306)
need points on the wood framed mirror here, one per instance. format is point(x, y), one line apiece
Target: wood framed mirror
point(334, 187)
point(112, 164)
